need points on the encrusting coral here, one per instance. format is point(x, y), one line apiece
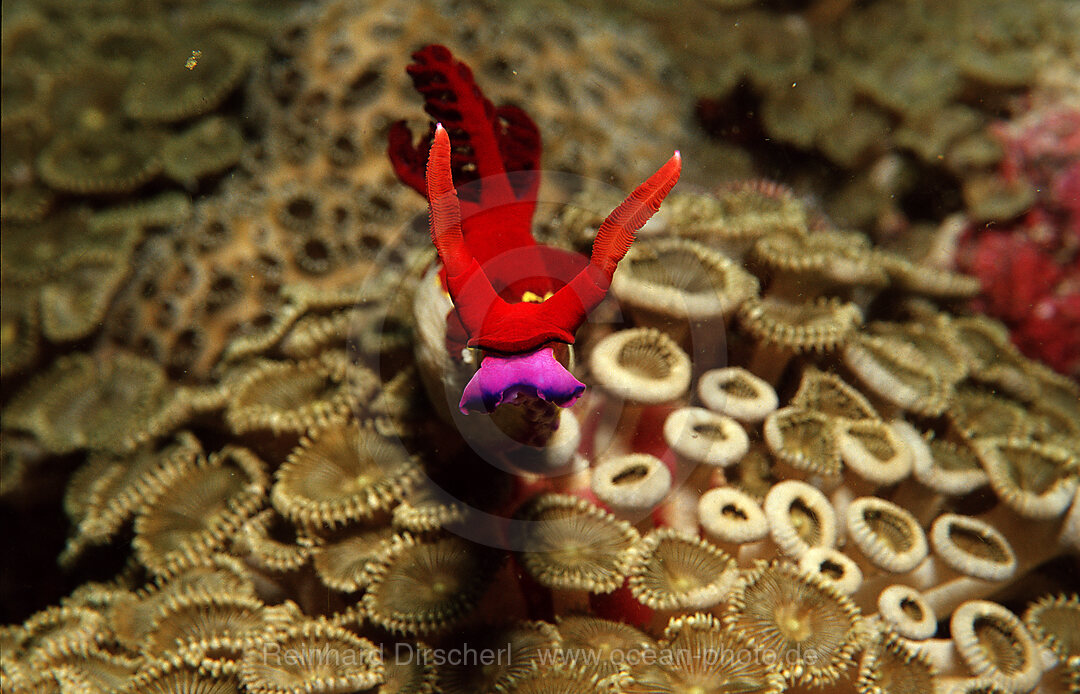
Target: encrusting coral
point(844, 486)
point(1029, 267)
point(99, 108)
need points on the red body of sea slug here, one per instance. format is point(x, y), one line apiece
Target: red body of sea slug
point(514, 299)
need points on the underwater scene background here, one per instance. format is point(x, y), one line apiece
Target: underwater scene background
point(829, 438)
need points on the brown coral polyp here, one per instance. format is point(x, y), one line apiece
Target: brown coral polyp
point(311, 658)
point(20, 331)
point(820, 325)
point(605, 640)
point(344, 562)
point(527, 643)
point(737, 393)
point(731, 517)
point(631, 484)
point(906, 611)
point(121, 44)
point(886, 534)
point(271, 543)
point(888, 665)
point(874, 452)
point(561, 677)
point(296, 396)
point(1036, 480)
point(977, 413)
point(898, 373)
point(702, 437)
point(422, 586)
point(567, 543)
point(1053, 620)
point(56, 632)
point(429, 506)
point(35, 252)
point(198, 512)
point(167, 678)
point(87, 402)
point(803, 439)
point(972, 547)
point(92, 669)
point(776, 607)
point(121, 485)
point(939, 284)
point(994, 358)
point(832, 566)
point(210, 146)
point(91, 162)
point(74, 306)
point(800, 517)
point(674, 571)
point(809, 265)
point(206, 626)
point(671, 282)
point(995, 644)
point(950, 468)
point(706, 659)
point(343, 472)
point(829, 394)
point(936, 340)
point(641, 365)
point(132, 614)
point(165, 90)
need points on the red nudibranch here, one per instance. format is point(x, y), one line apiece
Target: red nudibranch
point(513, 298)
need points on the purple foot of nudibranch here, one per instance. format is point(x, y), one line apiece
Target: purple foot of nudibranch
point(535, 374)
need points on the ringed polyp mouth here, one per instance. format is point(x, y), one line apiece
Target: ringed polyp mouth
point(503, 378)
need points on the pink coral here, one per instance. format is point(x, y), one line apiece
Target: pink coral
point(1030, 269)
point(1043, 148)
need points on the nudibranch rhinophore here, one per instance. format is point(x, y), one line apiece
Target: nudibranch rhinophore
point(518, 339)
